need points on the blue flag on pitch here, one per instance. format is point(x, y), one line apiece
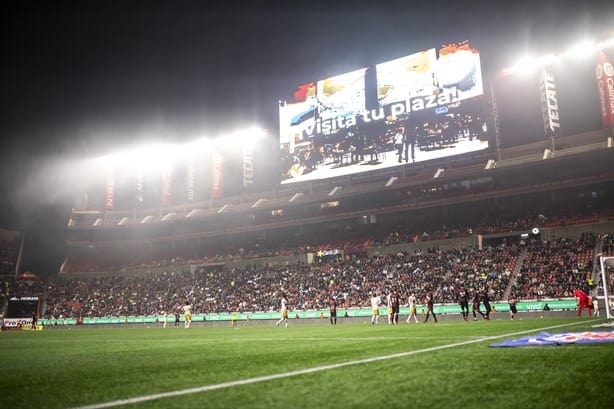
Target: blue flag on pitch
point(561, 338)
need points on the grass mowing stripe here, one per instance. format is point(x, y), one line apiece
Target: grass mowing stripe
point(206, 388)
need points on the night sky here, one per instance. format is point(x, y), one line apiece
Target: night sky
point(81, 79)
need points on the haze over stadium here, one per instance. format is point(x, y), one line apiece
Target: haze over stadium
point(206, 190)
point(173, 87)
point(87, 80)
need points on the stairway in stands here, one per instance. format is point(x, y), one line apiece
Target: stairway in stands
point(519, 263)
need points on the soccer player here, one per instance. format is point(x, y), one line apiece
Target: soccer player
point(187, 314)
point(393, 305)
point(375, 303)
point(412, 308)
point(429, 307)
point(333, 311)
point(581, 301)
point(476, 305)
point(487, 307)
point(463, 300)
point(513, 310)
point(284, 311)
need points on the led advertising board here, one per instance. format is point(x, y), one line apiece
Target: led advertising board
point(426, 105)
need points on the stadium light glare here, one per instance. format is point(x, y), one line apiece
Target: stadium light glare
point(547, 60)
point(581, 50)
point(609, 43)
point(244, 137)
point(524, 66)
point(254, 134)
point(107, 161)
point(153, 158)
point(202, 145)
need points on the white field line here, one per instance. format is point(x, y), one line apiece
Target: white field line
point(265, 378)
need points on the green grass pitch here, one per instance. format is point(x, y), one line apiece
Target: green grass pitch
point(77, 367)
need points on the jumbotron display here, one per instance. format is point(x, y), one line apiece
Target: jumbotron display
point(424, 106)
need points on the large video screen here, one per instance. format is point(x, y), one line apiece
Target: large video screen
point(322, 108)
point(420, 107)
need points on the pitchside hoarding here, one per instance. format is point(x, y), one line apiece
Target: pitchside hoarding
point(20, 311)
point(426, 105)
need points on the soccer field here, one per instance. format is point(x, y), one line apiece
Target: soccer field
point(445, 365)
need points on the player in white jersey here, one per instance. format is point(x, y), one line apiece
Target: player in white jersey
point(284, 311)
point(165, 315)
point(375, 303)
point(412, 308)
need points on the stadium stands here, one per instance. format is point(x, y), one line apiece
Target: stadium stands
point(8, 256)
point(534, 270)
point(554, 269)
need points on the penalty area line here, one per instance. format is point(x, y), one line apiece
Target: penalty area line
point(265, 378)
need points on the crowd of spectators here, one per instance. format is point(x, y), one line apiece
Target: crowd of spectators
point(352, 280)
point(607, 245)
point(554, 269)
point(551, 269)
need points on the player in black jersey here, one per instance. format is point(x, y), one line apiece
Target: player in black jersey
point(513, 309)
point(333, 311)
point(476, 305)
point(394, 304)
point(429, 307)
point(487, 307)
point(463, 300)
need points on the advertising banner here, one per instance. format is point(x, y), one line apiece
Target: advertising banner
point(109, 200)
point(555, 305)
point(604, 74)
point(16, 322)
point(140, 188)
point(550, 105)
point(165, 187)
point(190, 176)
point(248, 165)
point(217, 175)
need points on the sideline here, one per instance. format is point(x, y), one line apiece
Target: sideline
point(206, 388)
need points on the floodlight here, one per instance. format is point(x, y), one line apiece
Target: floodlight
point(524, 66)
point(107, 161)
point(581, 50)
point(202, 145)
point(547, 60)
point(606, 44)
point(244, 137)
point(153, 157)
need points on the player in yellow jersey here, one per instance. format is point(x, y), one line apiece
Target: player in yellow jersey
point(284, 311)
point(187, 314)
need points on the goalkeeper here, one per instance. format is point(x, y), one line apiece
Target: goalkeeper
point(582, 301)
